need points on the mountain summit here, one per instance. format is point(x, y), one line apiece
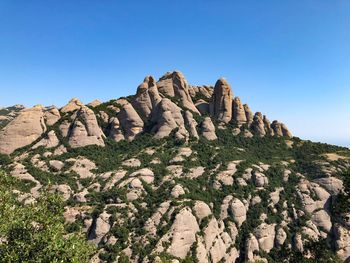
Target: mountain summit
point(179, 173)
point(169, 107)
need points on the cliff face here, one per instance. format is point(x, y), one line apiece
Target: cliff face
point(179, 172)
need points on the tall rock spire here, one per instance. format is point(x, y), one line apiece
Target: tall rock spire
point(221, 102)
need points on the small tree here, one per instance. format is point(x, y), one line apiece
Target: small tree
point(35, 232)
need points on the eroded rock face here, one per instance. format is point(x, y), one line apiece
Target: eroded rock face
point(221, 102)
point(73, 105)
point(174, 84)
point(147, 97)
point(27, 127)
point(342, 242)
point(167, 117)
point(116, 132)
point(208, 129)
point(248, 114)
point(239, 113)
point(182, 234)
point(100, 228)
point(238, 211)
point(258, 125)
point(51, 115)
point(192, 124)
point(130, 121)
point(85, 130)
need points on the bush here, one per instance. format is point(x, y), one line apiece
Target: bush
point(36, 232)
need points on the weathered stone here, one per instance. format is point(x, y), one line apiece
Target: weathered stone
point(208, 129)
point(221, 103)
point(51, 115)
point(239, 114)
point(73, 104)
point(27, 127)
point(85, 130)
point(130, 121)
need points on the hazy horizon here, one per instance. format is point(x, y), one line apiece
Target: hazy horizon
point(289, 60)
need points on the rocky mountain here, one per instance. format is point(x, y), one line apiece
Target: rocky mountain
point(182, 173)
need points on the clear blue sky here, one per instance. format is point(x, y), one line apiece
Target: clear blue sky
point(289, 59)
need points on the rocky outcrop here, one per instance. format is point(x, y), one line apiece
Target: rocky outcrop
point(248, 114)
point(147, 97)
point(49, 141)
point(258, 125)
point(221, 101)
point(51, 115)
point(239, 113)
point(208, 129)
point(192, 124)
point(27, 127)
point(130, 121)
point(202, 106)
point(174, 84)
point(238, 211)
point(167, 117)
point(181, 235)
point(73, 105)
point(100, 228)
point(342, 244)
point(115, 132)
point(85, 130)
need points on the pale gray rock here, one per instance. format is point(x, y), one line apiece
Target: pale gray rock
point(208, 129)
point(49, 141)
point(51, 115)
point(239, 114)
point(101, 228)
point(248, 114)
point(73, 105)
point(85, 130)
point(202, 106)
point(221, 102)
point(130, 121)
point(115, 132)
point(168, 116)
point(258, 125)
point(238, 211)
point(26, 128)
point(192, 124)
point(147, 97)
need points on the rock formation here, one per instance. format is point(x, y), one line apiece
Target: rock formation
point(27, 127)
point(221, 101)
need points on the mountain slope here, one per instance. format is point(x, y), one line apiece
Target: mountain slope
point(180, 172)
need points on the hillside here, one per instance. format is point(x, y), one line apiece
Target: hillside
point(181, 173)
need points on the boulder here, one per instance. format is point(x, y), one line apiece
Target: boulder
point(202, 106)
point(192, 124)
point(265, 235)
point(208, 129)
point(221, 102)
point(147, 97)
point(183, 233)
point(130, 121)
point(85, 130)
point(342, 243)
point(257, 125)
point(239, 114)
point(167, 117)
point(248, 114)
point(332, 184)
point(49, 141)
point(177, 191)
point(201, 210)
point(115, 132)
point(100, 228)
point(26, 128)
point(238, 211)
